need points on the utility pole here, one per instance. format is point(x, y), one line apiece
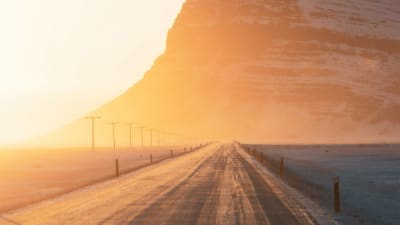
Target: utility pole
point(151, 136)
point(175, 138)
point(158, 137)
point(130, 133)
point(161, 138)
point(92, 118)
point(113, 129)
point(165, 139)
point(141, 133)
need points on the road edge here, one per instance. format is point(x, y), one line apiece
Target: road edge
point(298, 204)
point(95, 183)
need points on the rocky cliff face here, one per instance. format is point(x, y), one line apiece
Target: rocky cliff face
point(275, 70)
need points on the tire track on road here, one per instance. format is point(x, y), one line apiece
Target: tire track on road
point(223, 190)
point(184, 204)
point(216, 185)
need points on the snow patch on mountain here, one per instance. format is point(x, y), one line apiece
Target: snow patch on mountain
point(372, 18)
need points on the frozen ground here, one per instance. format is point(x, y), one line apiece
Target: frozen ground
point(31, 175)
point(369, 174)
point(218, 184)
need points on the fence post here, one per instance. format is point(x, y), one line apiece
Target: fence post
point(151, 158)
point(336, 194)
point(116, 168)
point(282, 167)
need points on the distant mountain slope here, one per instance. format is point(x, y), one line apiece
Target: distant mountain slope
point(282, 70)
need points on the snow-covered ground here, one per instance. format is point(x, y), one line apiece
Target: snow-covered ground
point(217, 184)
point(369, 175)
point(31, 175)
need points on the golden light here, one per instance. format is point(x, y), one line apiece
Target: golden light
point(60, 59)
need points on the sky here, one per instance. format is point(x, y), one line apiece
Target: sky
point(61, 59)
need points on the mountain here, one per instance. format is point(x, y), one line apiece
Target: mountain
point(269, 71)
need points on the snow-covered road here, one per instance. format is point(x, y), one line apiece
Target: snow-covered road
point(215, 185)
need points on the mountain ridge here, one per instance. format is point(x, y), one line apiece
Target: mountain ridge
point(270, 71)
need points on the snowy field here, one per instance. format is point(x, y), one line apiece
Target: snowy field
point(215, 185)
point(369, 175)
point(31, 175)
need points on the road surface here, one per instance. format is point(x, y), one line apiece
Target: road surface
point(215, 185)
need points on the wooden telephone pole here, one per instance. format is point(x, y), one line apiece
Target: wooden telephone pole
point(141, 133)
point(130, 133)
point(92, 118)
point(113, 130)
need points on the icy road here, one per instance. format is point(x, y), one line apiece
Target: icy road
point(219, 184)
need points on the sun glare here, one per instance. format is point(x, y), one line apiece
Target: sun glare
point(61, 59)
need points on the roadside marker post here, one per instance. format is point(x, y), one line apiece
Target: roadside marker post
point(151, 158)
point(336, 194)
point(282, 167)
point(116, 168)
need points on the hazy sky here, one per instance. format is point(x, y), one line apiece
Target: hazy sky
point(60, 59)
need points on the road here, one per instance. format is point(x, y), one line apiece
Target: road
point(215, 185)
